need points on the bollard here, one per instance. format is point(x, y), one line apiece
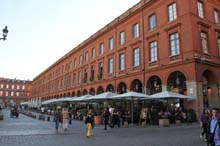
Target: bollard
point(48, 119)
point(1, 116)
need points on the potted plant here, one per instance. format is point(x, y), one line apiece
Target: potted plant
point(98, 117)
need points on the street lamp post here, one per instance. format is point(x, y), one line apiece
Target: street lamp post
point(5, 33)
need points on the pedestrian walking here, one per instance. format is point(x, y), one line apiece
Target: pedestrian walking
point(213, 135)
point(89, 123)
point(106, 116)
point(65, 115)
point(57, 117)
point(204, 119)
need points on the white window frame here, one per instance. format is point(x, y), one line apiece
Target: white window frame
point(204, 42)
point(93, 53)
point(101, 48)
point(172, 12)
point(110, 65)
point(218, 44)
point(136, 30)
point(200, 8)
point(122, 38)
point(216, 16)
point(86, 56)
point(153, 51)
point(136, 57)
point(111, 43)
point(174, 44)
point(122, 62)
point(80, 60)
point(152, 21)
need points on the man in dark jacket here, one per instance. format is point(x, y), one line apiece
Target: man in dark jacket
point(106, 115)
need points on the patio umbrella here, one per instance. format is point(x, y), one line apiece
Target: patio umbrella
point(131, 96)
point(81, 98)
point(49, 101)
point(169, 95)
point(101, 97)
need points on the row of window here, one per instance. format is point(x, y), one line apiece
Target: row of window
point(201, 11)
point(8, 93)
point(174, 41)
point(12, 86)
point(153, 51)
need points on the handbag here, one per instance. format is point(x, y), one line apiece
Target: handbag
point(210, 137)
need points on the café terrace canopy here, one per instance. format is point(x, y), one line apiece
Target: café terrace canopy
point(131, 96)
point(81, 98)
point(102, 97)
point(169, 95)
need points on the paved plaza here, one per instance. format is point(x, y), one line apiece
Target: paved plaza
point(25, 131)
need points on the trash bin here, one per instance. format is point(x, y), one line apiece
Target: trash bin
point(48, 119)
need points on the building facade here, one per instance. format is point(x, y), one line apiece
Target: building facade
point(154, 46)
point(14, 91)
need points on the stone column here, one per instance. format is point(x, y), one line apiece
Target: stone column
point(194, 89)
point(213, 97)
point(164, 87)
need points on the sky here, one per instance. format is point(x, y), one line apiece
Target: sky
point(42, 31)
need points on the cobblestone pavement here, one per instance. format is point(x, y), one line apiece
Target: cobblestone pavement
point(25, 131)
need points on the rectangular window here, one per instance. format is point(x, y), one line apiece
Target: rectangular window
point(100, 74)
point(174, 44)
point(74, 78)
point(18, 87)
point(136, 57)
point(200, 9)
point(80, 77)
point(6, 93)
point(111, 43)
point(80, 59)
point(7, 86)
point(110, 66)
point(101, 48)
point(93, 53)
point(136, 30)
point(86, 57)
point(216, 16)
point(204, 41)
point(85, 75)
point(172, 12)
point(122, 38)
point(153, 51)
point(122, 62)
point(12, 93)
point(12, 86)
point(17, 93)
point(152, 21)
point(2, 86)
point(23, 87)
point(218, 44)
point(92, 73)
point(75, 63)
